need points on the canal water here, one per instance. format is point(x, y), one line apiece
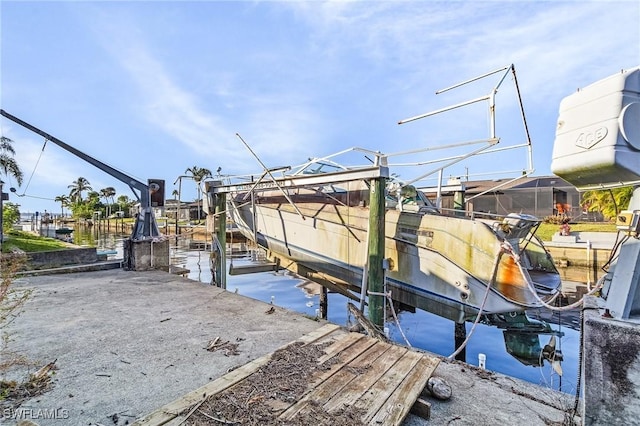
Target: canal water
point(513, 349)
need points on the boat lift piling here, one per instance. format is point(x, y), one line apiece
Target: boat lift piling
point(220, 224)
point(376, 251)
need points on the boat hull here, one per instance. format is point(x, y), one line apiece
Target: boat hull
point(437, 263)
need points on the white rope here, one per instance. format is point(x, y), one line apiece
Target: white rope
point(484, 301)
point(533, 291)
point(388, 298)
point(475, 323)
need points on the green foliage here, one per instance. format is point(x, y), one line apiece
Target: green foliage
point(8, 164)
point(84, 209)
point(10, 215)
point(547, 230)
point(27, 242)
point(124, 204)
point(607, 201)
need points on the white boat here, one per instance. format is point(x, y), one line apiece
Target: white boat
point(452, 263)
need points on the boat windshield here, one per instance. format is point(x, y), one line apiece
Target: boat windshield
point(320, 167)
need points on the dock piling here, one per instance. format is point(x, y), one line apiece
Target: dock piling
point(376, 250)
point(221, 235)
point(324, 303)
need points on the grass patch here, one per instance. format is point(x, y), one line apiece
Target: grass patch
point(546, 230)
point(27, 242)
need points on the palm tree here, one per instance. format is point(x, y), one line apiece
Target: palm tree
point(106, 193)
point(198, 174)
point(77, 188)
point(8, 164)
point(64, 202)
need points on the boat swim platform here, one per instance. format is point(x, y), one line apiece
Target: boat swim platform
point(377, 382)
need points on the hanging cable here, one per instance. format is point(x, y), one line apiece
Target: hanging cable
point(516, 259)
point(496, 265)
point(395, 317)
point(34, 169)
point(473, 327)
point(580, 357)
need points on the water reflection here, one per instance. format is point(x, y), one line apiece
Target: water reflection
point(530, 347)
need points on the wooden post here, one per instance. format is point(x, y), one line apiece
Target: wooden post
point(221, 233)
point(458, 202)
point(324, 303)
point(460, 335)
point(376, 250)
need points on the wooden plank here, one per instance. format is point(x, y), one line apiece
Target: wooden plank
point(170, 411)
point(340, 345)
point(318, 333)
point(369, 327)
point(401, 401)
point(328, 388)
point(373, 400)
point(356, 388)
point(383, 379)
point(421, 408)
point(345, 357)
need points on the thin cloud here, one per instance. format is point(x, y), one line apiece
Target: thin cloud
point(165, 104)
point(187, 117)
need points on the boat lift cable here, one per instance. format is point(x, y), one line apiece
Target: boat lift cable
point(34, 167)
point(496, 264)
point(547, 305)
point(576, 401)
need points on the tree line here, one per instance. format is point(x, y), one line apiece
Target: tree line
point(82, 207)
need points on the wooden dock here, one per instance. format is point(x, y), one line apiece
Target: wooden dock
point(376, 382)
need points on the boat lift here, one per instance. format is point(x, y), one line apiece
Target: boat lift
point(145, 228)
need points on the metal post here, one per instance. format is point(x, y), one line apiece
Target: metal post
point(179, 182)
point(376, 250)
point(589, 265)
point(439, 190)
point(221, 231)
point(179, 204)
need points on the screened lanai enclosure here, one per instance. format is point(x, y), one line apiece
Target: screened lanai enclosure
point(537, 196)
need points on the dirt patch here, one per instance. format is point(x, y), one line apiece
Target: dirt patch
point(263, 396)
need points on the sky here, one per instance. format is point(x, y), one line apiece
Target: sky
point(153, 88)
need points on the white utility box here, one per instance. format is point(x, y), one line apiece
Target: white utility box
point(597, 141)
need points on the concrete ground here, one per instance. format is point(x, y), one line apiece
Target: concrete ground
point(598, 240)
point(126, 343)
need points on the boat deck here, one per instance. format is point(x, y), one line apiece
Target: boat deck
point(373, 381)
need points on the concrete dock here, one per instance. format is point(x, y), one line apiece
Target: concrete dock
point(126, 343)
